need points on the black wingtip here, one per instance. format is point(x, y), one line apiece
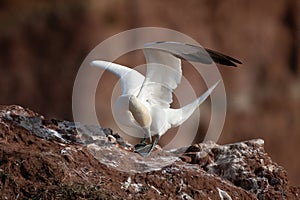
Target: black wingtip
point(223, 59)
point(193, 53)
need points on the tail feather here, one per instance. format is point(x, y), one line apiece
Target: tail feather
point(177, 116)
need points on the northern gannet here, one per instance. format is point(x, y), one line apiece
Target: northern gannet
point(143, 109)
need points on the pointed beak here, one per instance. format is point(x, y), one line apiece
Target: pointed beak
point(148, 133)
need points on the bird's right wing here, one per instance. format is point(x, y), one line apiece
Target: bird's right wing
point(131, 79)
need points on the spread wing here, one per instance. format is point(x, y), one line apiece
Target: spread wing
point(162, 77)
point(164, 68)
point(131, 79)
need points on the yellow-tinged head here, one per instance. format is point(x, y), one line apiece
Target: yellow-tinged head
point(139, 112)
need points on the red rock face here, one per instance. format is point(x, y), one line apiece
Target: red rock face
point(43, 44)
point(49, 159)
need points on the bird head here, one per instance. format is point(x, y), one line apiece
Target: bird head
point(139, 112)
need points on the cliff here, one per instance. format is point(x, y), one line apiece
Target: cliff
point(56, 159)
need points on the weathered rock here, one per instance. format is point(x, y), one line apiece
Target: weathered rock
point(244, 164)
point(47, 159)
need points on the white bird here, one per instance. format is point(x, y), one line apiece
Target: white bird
point(143, 109)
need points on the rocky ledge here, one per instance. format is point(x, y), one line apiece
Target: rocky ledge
point(55, 159)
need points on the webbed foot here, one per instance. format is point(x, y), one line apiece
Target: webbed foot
point(145, 149)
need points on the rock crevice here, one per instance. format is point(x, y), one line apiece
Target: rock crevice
point(55, 159)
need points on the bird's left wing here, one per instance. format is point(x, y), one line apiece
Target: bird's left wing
point(162, 77)
point(164, 68)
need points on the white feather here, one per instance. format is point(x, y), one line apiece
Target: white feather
point(155, 90)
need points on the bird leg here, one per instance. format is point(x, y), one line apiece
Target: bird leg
point(143, 141)
point(146, 136)
point(145, 149)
